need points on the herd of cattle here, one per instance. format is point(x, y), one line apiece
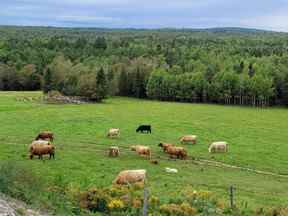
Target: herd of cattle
point(42, 145)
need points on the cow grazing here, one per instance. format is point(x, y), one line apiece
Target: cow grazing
point(165, 146)
point(144, 128)
point(113, 132)
point(177, 152)
point(218, 147)
point(188, 139)
point(45, 135)
point(114, 151)
point(130, 177)
point(141, 150)
point(41, 148)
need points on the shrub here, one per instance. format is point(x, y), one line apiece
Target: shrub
point(178, 210)
point(19, 182)
point(116, 204)
point(95, 200)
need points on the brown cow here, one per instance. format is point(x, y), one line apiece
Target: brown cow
point(165, 146)
point(114, 151)
point(45, 135)
point(178, 152)
point(41, 149)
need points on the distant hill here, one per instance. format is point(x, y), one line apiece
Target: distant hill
point(235, 29)
point(211, 30)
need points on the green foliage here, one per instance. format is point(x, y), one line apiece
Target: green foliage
point(220, 67)
point(19, 182)
point(47, 81)
point(101, 86)
point(123, 83)
point(100, 43)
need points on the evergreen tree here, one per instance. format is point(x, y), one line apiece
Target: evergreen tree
point(100, 43)
point(101, 89)
point(251, 70)
point(155, 84)
point(138, 87)
point(123, 83)
point(47, 81)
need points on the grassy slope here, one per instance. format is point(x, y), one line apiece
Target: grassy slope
point(257, 139)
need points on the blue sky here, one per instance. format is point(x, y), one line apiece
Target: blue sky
point(263, 14)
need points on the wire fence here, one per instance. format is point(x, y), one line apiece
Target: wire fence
point(125, 150)
point(101, 149)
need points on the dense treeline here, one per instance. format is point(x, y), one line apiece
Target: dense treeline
point(231, 67)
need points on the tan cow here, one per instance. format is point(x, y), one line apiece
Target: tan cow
point(188, 139)
point(141, 150)
point(130, 177)
point(165, 146)
point(178, 152)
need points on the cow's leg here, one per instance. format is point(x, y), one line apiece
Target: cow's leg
point(31, 156)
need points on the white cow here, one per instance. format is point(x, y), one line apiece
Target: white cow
point(113, 132)
point(218, 147)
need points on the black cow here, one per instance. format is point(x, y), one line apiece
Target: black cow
point(144, 128)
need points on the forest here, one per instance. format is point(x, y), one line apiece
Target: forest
point(226, 66)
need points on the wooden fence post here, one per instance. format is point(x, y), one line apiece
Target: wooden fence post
point(145, 203)
point(231, 192)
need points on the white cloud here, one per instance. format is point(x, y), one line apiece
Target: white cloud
point(275, 22)
point(79, 18)
point(262, 14)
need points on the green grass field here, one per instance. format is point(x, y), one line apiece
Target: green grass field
point(257, 138)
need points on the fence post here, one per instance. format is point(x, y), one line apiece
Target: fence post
point(145, 204)
point(231, 192)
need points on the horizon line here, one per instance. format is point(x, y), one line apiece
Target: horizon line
point(148, 28)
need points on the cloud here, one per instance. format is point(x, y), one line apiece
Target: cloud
point(266, 14)
point(87, 18)
point(275, 22)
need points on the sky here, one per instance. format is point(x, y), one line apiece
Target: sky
point(260, 14)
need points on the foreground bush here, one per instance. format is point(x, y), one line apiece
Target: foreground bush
point(21, 183)
point(65, 198)
point(18, 182)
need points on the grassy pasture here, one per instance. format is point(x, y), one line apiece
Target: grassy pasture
point(257, 138)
